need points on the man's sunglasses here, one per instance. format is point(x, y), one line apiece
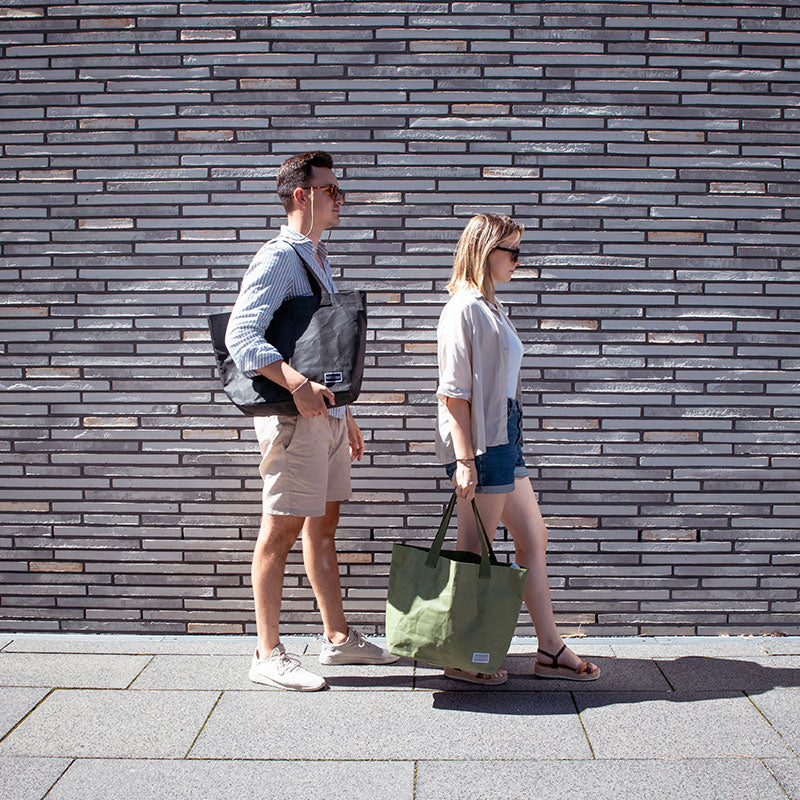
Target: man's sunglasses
point(332, 190)
point(513, 250)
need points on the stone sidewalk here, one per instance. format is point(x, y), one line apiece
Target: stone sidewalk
point(128, 717)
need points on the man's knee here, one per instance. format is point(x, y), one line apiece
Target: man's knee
point(278, 533)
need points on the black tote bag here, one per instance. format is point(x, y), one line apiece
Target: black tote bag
point(323, 336)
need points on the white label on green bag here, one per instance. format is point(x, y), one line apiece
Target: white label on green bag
point(480, 658)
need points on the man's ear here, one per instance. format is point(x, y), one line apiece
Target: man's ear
point(299, 198)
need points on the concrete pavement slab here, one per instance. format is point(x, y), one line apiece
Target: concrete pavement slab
point(388, 725)
point(211, 673)
point(664, 647)
point(230, 672)
point(140, 644)
point(704, 674)
point(782, 645)
point(110, 723)
point(235, 780)
point(618, 674)
point(787, 773)
point(695, 779)
point(29, 778)
point(584, 647)
point(74, 670)
point(4, 642)
point(15, 703)
point(677, 725)
point(782, 708)
point(315, 643)
point(366, 677)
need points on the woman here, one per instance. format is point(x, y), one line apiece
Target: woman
point(479, 431)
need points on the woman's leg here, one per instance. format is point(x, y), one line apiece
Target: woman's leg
point(490, 507)
point(522, 517)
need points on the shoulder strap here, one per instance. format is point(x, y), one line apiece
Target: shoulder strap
point(316, 284)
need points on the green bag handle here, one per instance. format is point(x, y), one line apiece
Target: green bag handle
point(487, 554)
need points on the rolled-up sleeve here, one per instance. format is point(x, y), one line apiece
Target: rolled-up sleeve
point(454, 351)
point(264, 287)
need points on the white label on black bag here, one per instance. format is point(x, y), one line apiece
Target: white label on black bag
point(332, 377)
point(480, 658)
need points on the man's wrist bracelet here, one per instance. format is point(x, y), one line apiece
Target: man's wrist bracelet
point(298, 388)
point(464, 460)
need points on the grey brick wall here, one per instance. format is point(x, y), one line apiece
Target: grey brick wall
point(651, 149)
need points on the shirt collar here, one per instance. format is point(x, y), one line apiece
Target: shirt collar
point(303, 241)
point(471, 291)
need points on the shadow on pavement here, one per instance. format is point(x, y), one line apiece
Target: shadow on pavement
point(623, 681)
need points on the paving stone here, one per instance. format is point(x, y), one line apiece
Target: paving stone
point(617, 674)
point(662, 647)
point(689, 779)
point(527, 645)
point(29, 778)
point(235, 780)
point(399, 676)
point(783, 646)
point(709, 674)
point(16, 703)
point(782, 708)
point(230, 672)
point(139, 644)
point(392, 725)
point(75, 670)
point(787, 773)
point(112, 723)
point(677, 725)
point(315, 643)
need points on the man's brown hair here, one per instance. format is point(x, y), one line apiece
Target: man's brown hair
point(295, 172)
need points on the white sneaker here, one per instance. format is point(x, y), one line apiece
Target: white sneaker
point(283, 670)
point(355, 649)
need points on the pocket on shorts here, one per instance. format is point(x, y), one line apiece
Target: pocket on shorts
point(275, 434)
point(309, 434)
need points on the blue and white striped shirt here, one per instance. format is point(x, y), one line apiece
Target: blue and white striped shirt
point(275, 274)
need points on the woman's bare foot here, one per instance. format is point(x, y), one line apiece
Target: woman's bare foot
point(565, 664)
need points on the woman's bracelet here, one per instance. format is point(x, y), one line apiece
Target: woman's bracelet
point(298, 388)
point(464, 460)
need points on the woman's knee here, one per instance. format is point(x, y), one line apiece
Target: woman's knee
point(528, 548)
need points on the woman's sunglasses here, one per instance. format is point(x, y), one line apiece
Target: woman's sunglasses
point(332, 190)
point(513, 250)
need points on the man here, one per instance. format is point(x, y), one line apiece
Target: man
point(306, 457)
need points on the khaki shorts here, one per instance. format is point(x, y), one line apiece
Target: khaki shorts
point(305, 463)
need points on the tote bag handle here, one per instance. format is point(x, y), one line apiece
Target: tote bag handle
point(316, 284)
point(487, 554)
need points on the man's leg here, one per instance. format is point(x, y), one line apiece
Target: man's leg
point(275, 539)
point(322, 568)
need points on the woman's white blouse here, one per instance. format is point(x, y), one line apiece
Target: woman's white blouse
point(473, 354)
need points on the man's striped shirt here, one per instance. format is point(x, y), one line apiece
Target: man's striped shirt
point(275, 274)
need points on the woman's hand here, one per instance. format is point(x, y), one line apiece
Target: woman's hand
point(356, 439)
point(465, 479)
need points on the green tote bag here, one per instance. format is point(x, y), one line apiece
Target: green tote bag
point(450, 607)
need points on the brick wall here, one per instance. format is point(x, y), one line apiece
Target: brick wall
point(652, 151)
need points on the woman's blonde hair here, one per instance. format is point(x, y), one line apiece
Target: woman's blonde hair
point(482, 234)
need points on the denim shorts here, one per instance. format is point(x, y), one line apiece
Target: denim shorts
point(499, 465)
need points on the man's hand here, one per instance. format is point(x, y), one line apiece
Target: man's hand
point(310, 399)
point(356, 439)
